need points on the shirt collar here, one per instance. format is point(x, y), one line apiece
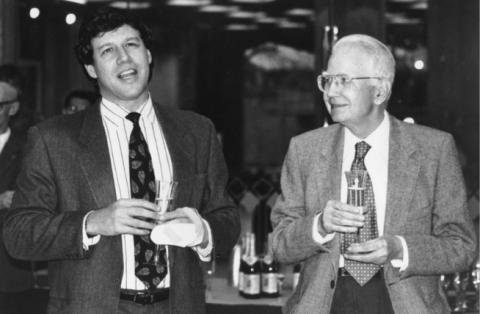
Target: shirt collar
point(378, 138)
point(117, 113)
point(4, 138)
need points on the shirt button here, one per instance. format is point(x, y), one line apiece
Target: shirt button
point(332, 284)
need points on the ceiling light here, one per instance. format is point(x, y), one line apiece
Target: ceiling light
point(419, 65)
point(267, 20)
point(131, 5)
point(240, 27)
point(291, 25)
point(188, 3)
point(419, 6)
point(77, 1)
point(246, 15)
point(217, 9)
point(34, 13)
point(252, 1)
point(70, 18)
point(300, 12)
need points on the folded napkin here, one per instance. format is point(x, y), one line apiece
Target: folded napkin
point(175, 233)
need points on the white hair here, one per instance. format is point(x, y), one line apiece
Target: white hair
point(381, 56)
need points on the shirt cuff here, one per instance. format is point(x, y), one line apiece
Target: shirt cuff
point(317, 237)
point(88, 241)
point(205, 254)
point(402, 264)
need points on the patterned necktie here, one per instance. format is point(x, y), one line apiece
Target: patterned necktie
point(362, 272)
point(142, 185)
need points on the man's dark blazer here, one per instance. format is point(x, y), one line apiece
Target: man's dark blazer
point(426, 204)
point(15, 275)
point(67, 172)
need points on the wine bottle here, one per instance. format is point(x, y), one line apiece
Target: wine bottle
point(270, 269)
point(296, 275)
point(243, 264)
point(251, 271)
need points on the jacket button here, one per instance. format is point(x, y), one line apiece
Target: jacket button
point(332, 284)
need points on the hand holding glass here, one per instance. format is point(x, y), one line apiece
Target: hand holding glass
point(356, 186)
point(166, 191)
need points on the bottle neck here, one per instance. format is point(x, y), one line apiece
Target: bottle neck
point(250, 254)
point(268, 259)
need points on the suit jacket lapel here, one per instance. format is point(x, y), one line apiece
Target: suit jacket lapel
point(181, 149)
point(403, 168)
point(180, 146)
point(95, 158)
point(329, 166)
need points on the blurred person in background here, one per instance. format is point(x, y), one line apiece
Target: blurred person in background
point(16, 277)
point(78, 100)
point(387, 255)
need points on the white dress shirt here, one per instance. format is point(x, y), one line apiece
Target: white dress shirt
point(376, 162)
point(118, 130)
point(4, 139)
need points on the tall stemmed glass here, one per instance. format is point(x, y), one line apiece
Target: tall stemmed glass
point(166, 191)
point(356, 186)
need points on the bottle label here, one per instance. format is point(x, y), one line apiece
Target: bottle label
point(251, 284)
point(269, 283)
point(241, 284)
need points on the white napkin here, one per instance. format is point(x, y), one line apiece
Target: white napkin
point(175, 233)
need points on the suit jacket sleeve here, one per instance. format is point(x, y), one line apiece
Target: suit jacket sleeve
point(217, 208)
point(292, 223)
point(35, 228)
point(450, 246)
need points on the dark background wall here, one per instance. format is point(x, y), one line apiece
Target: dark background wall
point(200, 66)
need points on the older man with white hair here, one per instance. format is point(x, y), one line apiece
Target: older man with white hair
point(385, 255)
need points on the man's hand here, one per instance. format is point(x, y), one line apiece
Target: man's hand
point(6, 199)
point(127, 216)
point(189, 215)
point(340, 217)
point(378, 251)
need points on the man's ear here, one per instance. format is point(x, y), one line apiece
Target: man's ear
point(382, 92)
point(14, 108)
point(91, 70)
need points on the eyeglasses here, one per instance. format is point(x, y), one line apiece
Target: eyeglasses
point(8, 102)
point(325, 80)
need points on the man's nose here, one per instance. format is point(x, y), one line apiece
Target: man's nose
point(123, 55)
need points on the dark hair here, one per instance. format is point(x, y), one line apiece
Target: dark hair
point(10, 74)
point(104, 20)
point(82, 94)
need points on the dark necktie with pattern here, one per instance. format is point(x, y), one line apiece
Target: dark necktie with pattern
point(362, 272)
point(142, 185)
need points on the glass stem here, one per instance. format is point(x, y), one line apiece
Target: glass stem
point(156, 256)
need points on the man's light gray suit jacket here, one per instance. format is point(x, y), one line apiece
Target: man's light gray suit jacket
point(426, 205)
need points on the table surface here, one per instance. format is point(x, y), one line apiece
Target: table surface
point(219, 291)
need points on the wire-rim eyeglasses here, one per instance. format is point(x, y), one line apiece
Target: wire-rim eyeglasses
point(325, 80)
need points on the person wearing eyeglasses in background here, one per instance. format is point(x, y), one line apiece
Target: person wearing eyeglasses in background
point(414, 225)
point(16, 277)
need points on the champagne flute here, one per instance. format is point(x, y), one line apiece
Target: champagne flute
point(356, 186)
point(166, 191)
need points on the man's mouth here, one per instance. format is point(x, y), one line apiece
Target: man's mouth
point(124, 75)
point(334, 106)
